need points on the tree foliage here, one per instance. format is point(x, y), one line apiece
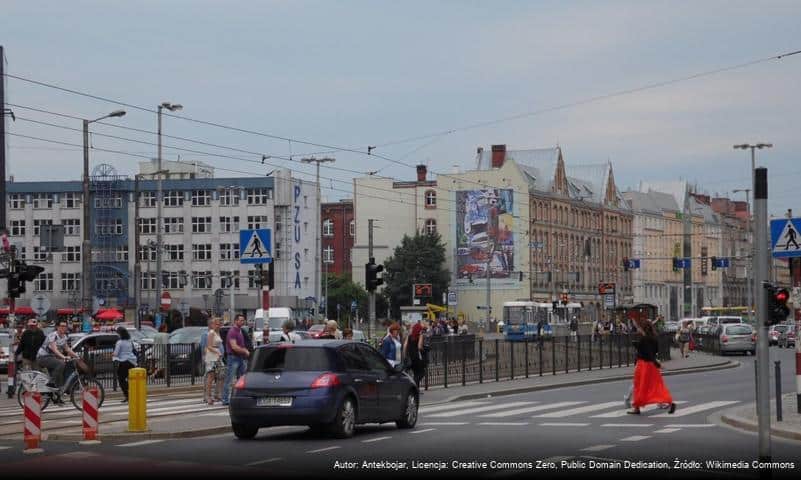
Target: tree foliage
point(343, 291)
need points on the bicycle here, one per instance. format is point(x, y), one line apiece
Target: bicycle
point(76, 382)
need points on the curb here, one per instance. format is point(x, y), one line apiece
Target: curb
point(72, 437)
point(737, 421)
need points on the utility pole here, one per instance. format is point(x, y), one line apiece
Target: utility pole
point(761, 260)
point(3, 139)
point(748, 269)
point(371, 293)
point(317, 257)
point(687, 253)
point(137, 264)
point(160, 203)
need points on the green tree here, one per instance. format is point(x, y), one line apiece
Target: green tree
point(343, 291)
point(418, 259)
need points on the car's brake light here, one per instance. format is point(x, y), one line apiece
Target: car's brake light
point(724, 339)
point(326, 380)
point(240, 384)
point(285, 345)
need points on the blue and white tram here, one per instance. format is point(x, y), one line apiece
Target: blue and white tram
point(521, 318)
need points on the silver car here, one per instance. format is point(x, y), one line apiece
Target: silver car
point(737, 337)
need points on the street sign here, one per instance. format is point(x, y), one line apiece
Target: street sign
point(722, 262)
point(255, 246)
point(682, 263)
point(452, 299)
point(609, 300)
point(166, 301)
point(40, 304)
point(785, 240)
point(633, 263)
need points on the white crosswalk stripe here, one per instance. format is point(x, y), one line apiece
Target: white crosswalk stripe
point(537, 408)
point(468, 411)
point(682, 412)
point(580, 410)
point(450, 406)
point(622, 411)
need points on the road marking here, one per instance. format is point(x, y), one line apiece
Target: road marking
point(377, 439)
point(444, 423)
point(579, 410)
point(260, 462)
point(625, 425)
point(563, 424)
point(415, 432)
point(635, 438)
point(468, 411)
point(4, 448)
point(323, 449)
point(215, 414)
point(622, 412)
point(697, 408)
point(450, 406)
point(529, 409)
point(139, 444)
point(597, 448)
point(667, 430)
point(505, 424)
point(691, 425)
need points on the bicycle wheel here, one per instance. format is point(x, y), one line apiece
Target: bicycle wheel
point(76, 395)
point(21, 390)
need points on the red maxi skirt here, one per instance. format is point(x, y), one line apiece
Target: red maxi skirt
point(649, 388)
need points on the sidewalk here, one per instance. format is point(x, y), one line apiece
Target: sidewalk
point(745, 417)
point(177, 427)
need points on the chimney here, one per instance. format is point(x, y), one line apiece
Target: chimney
point(421, 173)
point(498, 155)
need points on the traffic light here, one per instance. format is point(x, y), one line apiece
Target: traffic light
point(714, 263)
point(626, 264)
point(564, 298)
point(14, 285)
point(371, 271)
point(28, 273)
point(266, 277)
point(22, 273)
point(777, 305)
point(676, 266)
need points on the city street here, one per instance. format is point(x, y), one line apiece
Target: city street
point(575, 423)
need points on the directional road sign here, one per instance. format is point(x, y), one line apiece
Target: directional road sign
point(255, 246)
point(785, 239)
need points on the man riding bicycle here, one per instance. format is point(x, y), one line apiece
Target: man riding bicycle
point(55, 352)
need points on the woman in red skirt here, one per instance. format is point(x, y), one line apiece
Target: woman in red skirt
point(649, 388)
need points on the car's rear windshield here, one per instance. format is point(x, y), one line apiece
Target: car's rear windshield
point(292, 359)
point(730, 320)
point(738, 330)
point(780, 328)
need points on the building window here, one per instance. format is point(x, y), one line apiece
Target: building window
point(431, 226)
point(147, 199)
point(431, 199)
point(17, 228)
point(252, 279)
point(108, 202)
point(174, 225)
point(201, 224)
point(147, 253)
point(39, 254)
point(352, 228)
point(71, 200)
point(170, 280)
point(200, 198)
point(72, 226)
point(201, 280)
point(328, 254)
point(201, 251)
point(148, 281)
point(107, 228)
point(38, 223)
point(328, 227)
point(71, 254)
point(256, 222)
point(174, 198)
point(121, 253)
point(229, 251)
point(44, 282)
point(258, 196)
point(174, 253)
point(70, 282)
point(229, 224)
point(229, 197)
point(43, 200)
point(16, 201)
point(225, 279)
point(147, 225)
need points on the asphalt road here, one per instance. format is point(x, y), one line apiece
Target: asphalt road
point(520, 429)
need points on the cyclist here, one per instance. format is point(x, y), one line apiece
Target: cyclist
point(55, 351)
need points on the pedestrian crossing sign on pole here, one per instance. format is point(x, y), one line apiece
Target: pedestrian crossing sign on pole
point(785, 237)
point(255, 246)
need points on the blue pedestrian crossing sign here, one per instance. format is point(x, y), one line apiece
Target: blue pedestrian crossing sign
point(255, 246)
point(785, 239)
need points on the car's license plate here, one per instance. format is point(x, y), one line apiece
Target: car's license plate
point(274, 402)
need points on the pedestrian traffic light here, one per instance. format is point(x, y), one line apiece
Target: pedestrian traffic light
point(565, 299)
point(626, 264)
point(371, 271)
point(15, 287)
point(777, 305)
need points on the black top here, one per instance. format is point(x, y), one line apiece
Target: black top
point(647, 348)
point(30, 343)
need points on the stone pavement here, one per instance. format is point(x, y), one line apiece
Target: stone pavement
point(196, 426)
point(745, 417)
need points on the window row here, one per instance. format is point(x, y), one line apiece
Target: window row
point(328, 228)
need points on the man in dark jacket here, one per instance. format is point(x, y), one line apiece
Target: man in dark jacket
point(32, 340)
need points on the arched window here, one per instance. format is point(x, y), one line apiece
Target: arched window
point(328, 227)
point(431, 199)
point(431, 226)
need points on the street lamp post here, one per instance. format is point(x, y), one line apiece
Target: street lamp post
point(317, 256)
point(86, 254)
point(748, 271)
point(160, 202)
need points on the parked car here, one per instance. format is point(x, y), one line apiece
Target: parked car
point(775, 332)
point(787, 337)
point(329, 385)
point(737, 337)
point(184, 348)
point(5, 351)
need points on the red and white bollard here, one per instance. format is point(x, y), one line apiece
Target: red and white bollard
point(33, 421)
point(91, 416)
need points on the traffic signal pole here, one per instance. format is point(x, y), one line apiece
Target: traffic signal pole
point(371, 326)
point(795, 275)
point(761, 261)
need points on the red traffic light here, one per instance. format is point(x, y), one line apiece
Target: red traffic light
point(782, 295)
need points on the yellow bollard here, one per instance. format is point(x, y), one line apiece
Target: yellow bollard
point(137, 400)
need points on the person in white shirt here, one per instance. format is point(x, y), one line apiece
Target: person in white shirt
point(54, 352)
point(212, 357)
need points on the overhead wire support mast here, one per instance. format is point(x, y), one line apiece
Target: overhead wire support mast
point(317, 242)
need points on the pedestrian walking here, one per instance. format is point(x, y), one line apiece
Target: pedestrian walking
point(236, 358)
point(213, 361)
point(30, 342)
point(414, 350)
point(331, 331)
point(391, 347)
point(125, 357)
point(574, 328)
point(683, 337)
point(649, 387)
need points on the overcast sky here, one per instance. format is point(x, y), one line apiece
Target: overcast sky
point(352, 74)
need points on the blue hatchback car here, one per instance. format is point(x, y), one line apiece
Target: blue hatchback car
point(330, 385)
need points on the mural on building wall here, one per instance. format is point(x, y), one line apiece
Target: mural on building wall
point(485, 235)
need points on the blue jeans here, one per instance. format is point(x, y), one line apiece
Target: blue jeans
point(236, 368)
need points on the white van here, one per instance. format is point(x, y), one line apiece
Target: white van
point(274, 320)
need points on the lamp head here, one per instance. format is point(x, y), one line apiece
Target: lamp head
point(742, 146)
point(117, 113)
point(764, 145)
